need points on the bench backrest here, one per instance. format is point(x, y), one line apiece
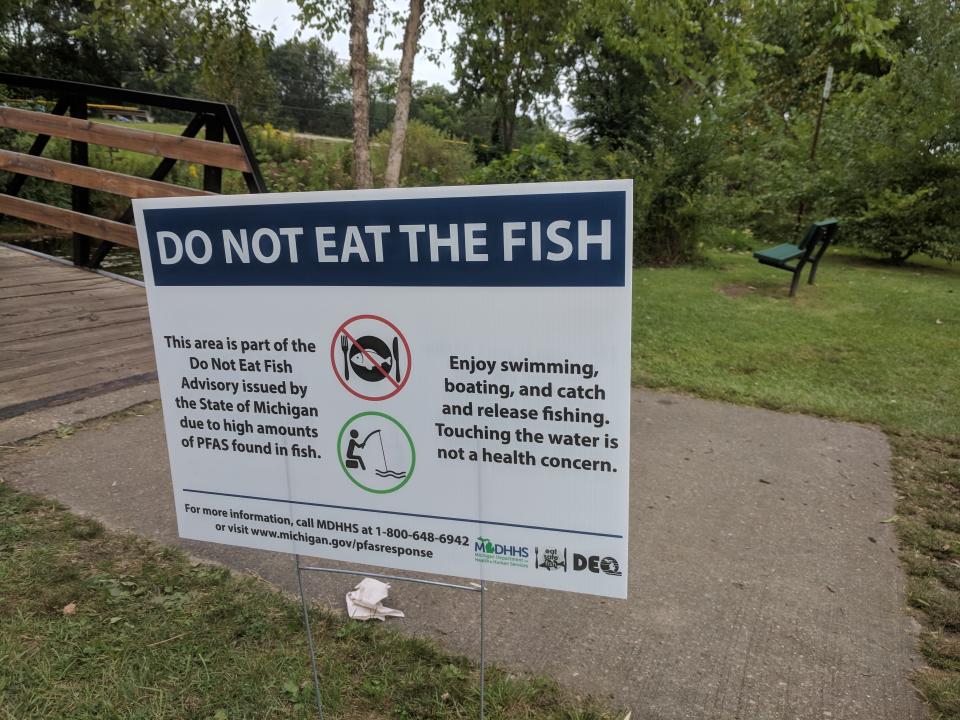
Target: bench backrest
point(830, 228)
point(819, 232)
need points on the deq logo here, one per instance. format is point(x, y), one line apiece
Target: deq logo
point(485, 550)
point(596, 564)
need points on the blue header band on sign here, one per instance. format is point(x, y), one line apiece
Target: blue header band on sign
point(541, 240)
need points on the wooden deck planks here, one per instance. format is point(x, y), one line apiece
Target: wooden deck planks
point(67, 334)
point(93, 307)
point(78, 323)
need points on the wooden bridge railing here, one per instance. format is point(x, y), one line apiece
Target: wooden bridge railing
point(216, 119)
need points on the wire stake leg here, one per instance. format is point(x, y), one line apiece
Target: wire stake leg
point(313, 651)
point(483, 592)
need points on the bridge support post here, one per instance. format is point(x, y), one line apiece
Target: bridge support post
point(80, 196)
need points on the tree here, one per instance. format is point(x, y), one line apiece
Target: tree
point(437, 106)
point(383, 75)
point(633, 61)
point(307, 77)
point(41, 37)
point(212, 42)
point(512, 51)
point(359, 20)
point(652, 78)
point(411, 37)
point(233, 65)
point(854, 37)
point(871, 168)
point(331, 15)
point(891, 157)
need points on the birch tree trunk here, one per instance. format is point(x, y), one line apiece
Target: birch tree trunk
point(359, 19)
point(401, 117)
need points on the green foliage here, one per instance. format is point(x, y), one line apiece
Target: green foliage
point(430, 157)
point(897, 183)
point(758, 176)
point(636, 61)
point(39, 37)
point(650, 79)
point(511, 51)
point(316, 172)
point(901, 224)
point(270, 144)
point(210, 42)
point(666, 232)
point(34, 189)
point(709, 107)
point(233, 67)
point(855, 37)
point(292, 164)
point(312, 92)
point(438, 107)
point(666, 215)
point(888, 159)
point(550, 160)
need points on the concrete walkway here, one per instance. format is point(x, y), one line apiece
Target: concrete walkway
point(764, 583)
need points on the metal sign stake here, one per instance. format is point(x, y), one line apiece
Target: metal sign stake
point(472, 587)
point(313, 651)
point(483, 592)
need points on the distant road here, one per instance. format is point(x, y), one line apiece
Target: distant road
point(325, 138)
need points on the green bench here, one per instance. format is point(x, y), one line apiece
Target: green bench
point(810, 250)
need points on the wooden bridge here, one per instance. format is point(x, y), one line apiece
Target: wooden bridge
point(67, 334)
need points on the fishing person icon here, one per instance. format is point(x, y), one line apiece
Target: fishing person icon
point(370, 357)
point(376, 452)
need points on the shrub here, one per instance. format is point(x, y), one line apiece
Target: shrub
point(895, 148)
point(36, 189)
point(430, 157)
point(665, 212)
point(292, 164)
point(270, 144)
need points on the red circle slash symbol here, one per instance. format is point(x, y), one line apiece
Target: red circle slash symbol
point(364, 361)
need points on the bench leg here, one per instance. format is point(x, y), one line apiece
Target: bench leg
point(796, 278)
point(816, 260)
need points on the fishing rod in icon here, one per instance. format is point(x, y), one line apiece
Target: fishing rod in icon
point(355, 461)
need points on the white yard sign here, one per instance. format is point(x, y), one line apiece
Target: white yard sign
point(434, 380)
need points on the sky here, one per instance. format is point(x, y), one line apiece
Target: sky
point(280, 15)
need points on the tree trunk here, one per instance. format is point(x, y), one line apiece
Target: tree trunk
point(411, 35)
point(359, 19)
point(508, 123)
point(900, 257)
point(506, 132)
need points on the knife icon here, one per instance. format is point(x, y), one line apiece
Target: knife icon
point(396, 358)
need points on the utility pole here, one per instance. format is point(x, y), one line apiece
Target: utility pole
point(824, 96)
point(823, 103)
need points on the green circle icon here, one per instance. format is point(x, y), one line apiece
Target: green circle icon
point(363, 458)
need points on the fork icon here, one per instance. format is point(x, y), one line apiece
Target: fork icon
point(345, 347)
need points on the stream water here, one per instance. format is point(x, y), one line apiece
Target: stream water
point(121, 260)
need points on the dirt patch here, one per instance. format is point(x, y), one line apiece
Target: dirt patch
point(738, 290)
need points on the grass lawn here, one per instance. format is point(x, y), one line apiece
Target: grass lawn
point(97, 625)
point(869, 342)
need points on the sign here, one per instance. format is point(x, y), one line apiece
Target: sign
point(435, 380)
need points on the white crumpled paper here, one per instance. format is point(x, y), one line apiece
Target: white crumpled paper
point(365, 601)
